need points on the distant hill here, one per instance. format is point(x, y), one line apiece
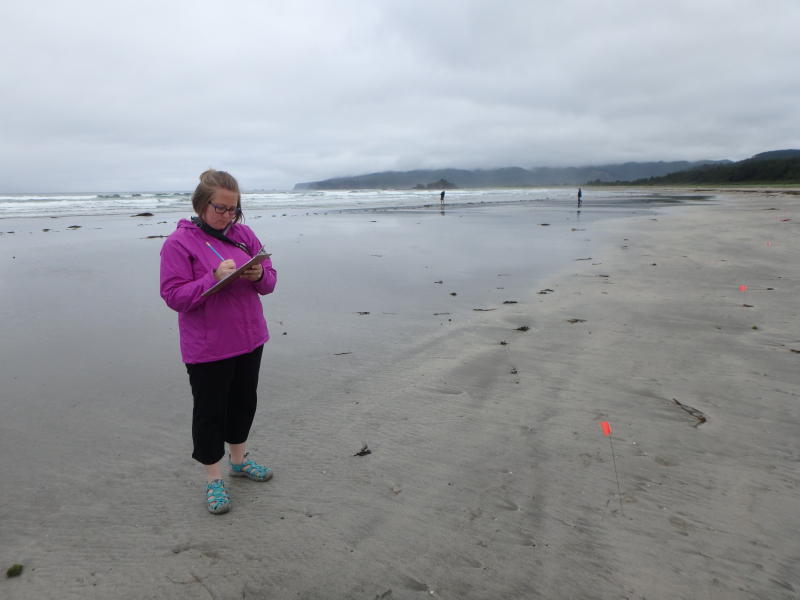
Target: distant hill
point(505, 177)
point(776, 154)
point(778, 166)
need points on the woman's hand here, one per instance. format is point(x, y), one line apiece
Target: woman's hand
point(225, 268)
point(254, 273)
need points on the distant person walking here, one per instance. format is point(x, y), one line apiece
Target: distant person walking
point(579, 197)
point(441, 198)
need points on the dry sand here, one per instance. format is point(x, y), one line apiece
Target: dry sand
point(483, 482)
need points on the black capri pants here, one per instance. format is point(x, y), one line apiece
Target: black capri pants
point(225, 400)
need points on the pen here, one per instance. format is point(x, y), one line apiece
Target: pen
point(214, 251)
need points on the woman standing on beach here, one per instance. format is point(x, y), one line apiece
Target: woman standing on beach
point(222, 335)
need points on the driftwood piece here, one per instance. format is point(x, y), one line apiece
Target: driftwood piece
point(692, 411)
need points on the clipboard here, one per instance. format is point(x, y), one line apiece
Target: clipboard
point(260, 257)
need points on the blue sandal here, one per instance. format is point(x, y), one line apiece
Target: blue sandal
point(250, 470)
point(217, 497)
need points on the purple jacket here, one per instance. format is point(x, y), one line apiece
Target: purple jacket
point(228, 323)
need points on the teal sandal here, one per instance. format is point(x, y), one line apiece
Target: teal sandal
point(250, 470)
point(217, 497)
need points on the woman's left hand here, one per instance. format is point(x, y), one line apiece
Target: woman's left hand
point(254, 273)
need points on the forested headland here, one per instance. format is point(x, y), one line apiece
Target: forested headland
point(780, 167)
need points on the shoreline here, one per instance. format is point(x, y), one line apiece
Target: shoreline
point(331, 201)
point(482, 482)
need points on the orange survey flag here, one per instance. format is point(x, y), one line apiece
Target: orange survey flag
point(606, 427)
point(743, 287)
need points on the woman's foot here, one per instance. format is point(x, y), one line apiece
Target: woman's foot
point(217, 497)
point(250, 470)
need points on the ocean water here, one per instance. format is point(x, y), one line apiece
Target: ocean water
point(63, 205)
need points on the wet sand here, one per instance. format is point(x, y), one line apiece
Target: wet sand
point(489, 475)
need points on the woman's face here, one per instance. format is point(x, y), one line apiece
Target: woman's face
point(221, 199)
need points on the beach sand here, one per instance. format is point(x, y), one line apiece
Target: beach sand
point(489, 477)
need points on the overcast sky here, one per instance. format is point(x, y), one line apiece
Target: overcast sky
point(132, 96)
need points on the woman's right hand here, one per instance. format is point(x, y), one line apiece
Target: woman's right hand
point(225, 268)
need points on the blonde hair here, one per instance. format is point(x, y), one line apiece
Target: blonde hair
point(211, 181)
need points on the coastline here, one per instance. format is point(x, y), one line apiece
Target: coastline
point(16, 206)
point(482, 482)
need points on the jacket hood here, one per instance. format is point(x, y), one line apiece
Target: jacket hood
point(186, 224)
point(192, 223)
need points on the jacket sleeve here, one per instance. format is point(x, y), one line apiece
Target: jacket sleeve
point(266, 284)
point(178, 288)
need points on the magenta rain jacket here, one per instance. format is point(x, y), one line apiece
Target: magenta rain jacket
point(228, 323)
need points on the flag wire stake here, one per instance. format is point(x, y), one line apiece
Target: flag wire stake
point(615, 474)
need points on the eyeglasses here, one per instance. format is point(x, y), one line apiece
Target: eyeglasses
point(221, 210)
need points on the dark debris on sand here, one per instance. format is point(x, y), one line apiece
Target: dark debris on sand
point(364, 451)
point(14, 570)
point(692, 411)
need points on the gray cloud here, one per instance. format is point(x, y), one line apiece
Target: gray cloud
point(145, 95)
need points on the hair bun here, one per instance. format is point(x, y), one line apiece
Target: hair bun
point(208, 172)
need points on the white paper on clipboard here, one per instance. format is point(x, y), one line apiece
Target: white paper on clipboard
point(221, 285)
